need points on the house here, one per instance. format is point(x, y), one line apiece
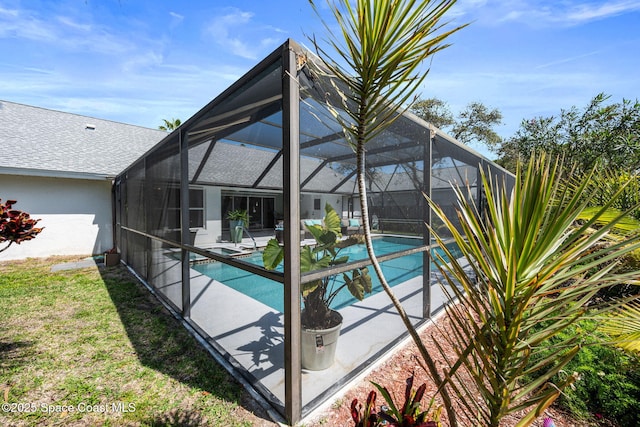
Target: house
point(60, 168)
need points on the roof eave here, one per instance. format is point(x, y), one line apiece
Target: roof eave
point(47, 173)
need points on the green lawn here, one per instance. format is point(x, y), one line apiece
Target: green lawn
point(93, 347)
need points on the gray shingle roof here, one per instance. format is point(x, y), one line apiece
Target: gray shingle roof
point(232, 164)
point(55, 142)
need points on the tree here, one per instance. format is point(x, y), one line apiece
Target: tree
point(475, 123)
point(15, 226)
point(434, 111)
point(384, 42)
point(170, 125)
point(600, 132)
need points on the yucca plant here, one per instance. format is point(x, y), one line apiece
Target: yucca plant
point(531, 261)
point(374, 64)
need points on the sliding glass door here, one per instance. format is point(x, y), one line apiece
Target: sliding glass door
point(261, 209)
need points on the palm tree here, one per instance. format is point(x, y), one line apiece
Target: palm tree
point(384, 43)
point(170, 125)
point(536, 261)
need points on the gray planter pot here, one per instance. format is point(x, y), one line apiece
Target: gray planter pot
point(235, 231)
point(319, 347)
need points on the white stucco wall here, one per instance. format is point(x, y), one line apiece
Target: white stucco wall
point(212, 232)
point(307, 205)
point(76, 214)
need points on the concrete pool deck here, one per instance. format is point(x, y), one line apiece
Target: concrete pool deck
point(252, 334)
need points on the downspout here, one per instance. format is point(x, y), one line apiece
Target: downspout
point(114, 242)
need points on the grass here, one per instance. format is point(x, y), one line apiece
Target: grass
point(93, 347)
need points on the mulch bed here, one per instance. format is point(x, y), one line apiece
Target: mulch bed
point(393, 373)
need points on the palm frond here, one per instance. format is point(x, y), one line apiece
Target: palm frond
point(624, 326)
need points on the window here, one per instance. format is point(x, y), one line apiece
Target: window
point(196, 208)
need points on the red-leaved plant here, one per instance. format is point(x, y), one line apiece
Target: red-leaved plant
point(407, 416)
point(16, 226)
point(365, 417)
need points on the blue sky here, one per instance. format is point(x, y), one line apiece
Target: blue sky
point(142, 61)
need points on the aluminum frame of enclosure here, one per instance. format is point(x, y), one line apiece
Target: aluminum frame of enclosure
point(269, 137)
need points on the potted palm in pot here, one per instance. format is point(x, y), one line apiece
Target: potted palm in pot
point(238, 219)
point(320, 323)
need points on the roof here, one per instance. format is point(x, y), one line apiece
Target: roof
point(39, 141)
point(239, 138)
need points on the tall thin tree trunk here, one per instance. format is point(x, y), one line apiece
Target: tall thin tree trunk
point(364, 207)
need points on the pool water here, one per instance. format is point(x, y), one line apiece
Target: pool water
point(271, 293)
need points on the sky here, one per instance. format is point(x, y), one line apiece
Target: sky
point(142, 61)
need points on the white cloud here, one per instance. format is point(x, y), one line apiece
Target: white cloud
point(63, 31)
point(464, 7)
point(568, 59)
point(589, 12)
point(141, 93)
point(21, 24)
point(176, 19)
point(69, 22)
point(142, 61)
point(109, 69)
point(8, 12)
point(537, 13)
point(236, 32)
point(176, 16)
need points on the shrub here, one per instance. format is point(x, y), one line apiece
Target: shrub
point(15, 226)
point(407, 415)
point(609, 384)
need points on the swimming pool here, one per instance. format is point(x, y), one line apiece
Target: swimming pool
point(271, 293)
